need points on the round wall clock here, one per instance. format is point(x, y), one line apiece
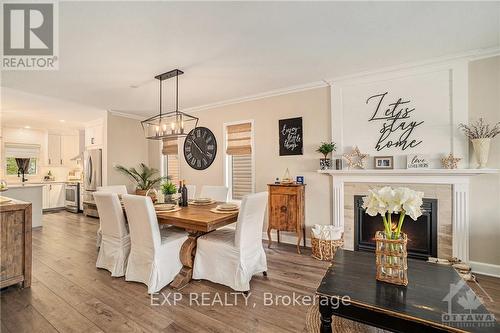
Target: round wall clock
point(200, 148)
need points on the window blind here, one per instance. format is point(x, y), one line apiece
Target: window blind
point(239, 139)
point(173, 168)
point(241, 176)
point(22, 150)
point(170, 147)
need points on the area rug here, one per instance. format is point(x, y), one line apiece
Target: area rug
point(339, 325)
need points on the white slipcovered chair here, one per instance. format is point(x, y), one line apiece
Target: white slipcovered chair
point(232, 257)
point(118, 189)
point(217, 193)
point(154, 256)
point(191, 191)
point(115, 244)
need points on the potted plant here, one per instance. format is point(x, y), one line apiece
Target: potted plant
point(391, 255)
point(326, 148)
point(145, 178)
point(480, 134)
point(168, 189)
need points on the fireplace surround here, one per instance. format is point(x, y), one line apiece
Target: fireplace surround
point(422, 234)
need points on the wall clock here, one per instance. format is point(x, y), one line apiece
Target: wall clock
point(200, 148)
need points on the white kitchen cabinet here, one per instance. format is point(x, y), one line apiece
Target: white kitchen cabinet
point(54, 150)
point(54, 196)
point(94, 136)
point(69, 149)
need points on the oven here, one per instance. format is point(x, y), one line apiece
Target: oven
point(72, 197)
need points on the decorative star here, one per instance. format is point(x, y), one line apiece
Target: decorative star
point(450, 161)
point(355, 159)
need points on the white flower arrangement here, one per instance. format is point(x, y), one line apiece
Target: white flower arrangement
point(386, 201)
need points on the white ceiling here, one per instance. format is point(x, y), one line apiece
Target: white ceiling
point(234, 49)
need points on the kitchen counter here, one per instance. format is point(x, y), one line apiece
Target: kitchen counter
point(31, 193)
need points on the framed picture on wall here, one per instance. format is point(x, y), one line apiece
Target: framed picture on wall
point(290, 136)
point(383, 162)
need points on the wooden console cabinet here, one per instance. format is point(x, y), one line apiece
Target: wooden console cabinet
point(286, 210)
point(15, 243)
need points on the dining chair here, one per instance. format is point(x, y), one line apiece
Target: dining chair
point(232, 257)
point(154, 255)
point(118, 189)
point(191, 191)
point(115, 243)
point(217, 193)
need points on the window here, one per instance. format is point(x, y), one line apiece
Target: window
point(170, 160)
point(13, 151)
point(239, 166)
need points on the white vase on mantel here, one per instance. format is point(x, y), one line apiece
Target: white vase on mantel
point(481, 151)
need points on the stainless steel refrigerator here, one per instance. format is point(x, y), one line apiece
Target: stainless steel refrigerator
point(92, 178)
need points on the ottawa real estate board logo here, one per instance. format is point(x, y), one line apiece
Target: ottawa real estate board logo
point(30, 36)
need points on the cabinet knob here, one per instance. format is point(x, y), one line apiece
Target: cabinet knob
point(283, 209)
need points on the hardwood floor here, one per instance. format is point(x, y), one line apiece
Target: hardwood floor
point(69, 294)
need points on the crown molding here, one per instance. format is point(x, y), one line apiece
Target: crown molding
point(126, 115)
point(272, 93)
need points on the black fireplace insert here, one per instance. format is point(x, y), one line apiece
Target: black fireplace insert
point(422, 233)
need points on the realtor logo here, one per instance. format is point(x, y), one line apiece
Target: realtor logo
point(29, 36)
point(468, 313)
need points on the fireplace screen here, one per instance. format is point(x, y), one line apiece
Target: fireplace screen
point(422, 234)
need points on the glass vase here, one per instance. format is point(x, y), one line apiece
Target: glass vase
point(391, 258)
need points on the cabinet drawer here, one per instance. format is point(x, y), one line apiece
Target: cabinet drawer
point(283, 190)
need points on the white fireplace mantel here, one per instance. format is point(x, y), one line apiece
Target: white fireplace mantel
point(458, 178)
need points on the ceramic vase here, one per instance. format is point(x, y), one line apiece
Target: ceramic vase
point(325, 163)
point(481, 151)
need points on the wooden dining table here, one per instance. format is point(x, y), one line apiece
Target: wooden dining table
point(197, 220)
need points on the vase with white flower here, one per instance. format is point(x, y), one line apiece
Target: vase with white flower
point(393, 205)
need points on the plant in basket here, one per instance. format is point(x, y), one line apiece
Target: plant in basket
point(391, 254)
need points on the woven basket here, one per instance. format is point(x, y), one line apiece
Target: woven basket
point(323, 249)
point(391, 259)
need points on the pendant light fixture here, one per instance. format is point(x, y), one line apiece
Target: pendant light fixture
point(170, 125)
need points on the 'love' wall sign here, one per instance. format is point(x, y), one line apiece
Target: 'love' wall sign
point(397, 123)
point(290, 136)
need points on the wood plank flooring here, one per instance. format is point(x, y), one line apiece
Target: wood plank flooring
point(69, 294)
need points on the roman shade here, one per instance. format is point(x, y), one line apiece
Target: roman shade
point(239, 139)
point(22, 150)
point(170, 146)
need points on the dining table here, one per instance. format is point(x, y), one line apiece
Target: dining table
point(197, 220)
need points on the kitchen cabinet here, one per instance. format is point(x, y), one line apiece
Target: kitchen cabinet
point(54, 150)
point(94, 135)
point(54, 196)
point(61, 149)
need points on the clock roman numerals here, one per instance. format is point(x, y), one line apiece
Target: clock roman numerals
point(200, 148)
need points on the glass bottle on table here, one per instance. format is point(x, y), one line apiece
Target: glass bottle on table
point(184, 194)
point(179, 193)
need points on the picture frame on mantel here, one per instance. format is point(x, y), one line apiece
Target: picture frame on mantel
point(291, 138)
point(383, 162)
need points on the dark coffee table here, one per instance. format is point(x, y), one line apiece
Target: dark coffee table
point(435, 300)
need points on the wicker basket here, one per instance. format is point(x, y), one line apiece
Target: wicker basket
point(323, 249)
point(391, 259)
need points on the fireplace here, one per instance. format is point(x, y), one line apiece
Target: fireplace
point(422, 234)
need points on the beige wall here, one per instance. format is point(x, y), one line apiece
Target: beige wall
point(484, 101)
point(314, 107)
point(125, 145)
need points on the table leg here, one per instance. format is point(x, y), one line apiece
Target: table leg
point(326, 312)
point(269, 241)
point(186, 255)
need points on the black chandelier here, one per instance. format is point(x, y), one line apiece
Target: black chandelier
point(170, 125)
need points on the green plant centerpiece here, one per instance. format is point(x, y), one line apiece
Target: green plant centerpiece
point(390, 251)
point(168, 189)
point(144, 177)
point(326, 148)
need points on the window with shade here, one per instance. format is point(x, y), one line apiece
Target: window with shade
point(23, 156)
point(170, 160)
point(239, 166)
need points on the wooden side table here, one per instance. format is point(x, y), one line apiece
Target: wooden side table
point(286, 211)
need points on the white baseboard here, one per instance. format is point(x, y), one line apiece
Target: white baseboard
point(287, 238)
point(485, 269)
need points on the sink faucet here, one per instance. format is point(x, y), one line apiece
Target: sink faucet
point(20, 173)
